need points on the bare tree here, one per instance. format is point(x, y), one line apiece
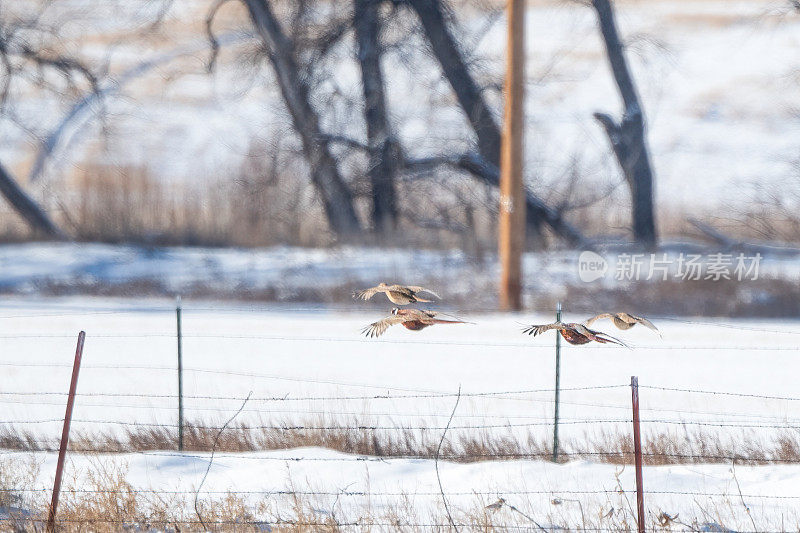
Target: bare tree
point(470, 97)
point(385, 157)
point(86, 108)
point(627, 136)
point(444, 47)
point(337, 199)
point(25, 60)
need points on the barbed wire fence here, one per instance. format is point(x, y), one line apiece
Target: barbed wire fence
point(656, 418)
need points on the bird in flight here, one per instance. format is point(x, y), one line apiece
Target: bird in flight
point(624, 321)
point(399, 294)
point(413, 319)
point(574, 333)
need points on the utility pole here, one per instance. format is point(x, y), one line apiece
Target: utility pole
point(512, 189)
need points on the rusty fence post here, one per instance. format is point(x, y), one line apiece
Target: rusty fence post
point(62, 451)
point(637, 450)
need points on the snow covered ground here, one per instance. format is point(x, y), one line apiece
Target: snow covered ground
point(575, 494)
point(292, 353)
point(284, 273)
point(283, 354)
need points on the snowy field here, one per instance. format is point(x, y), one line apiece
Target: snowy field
point(283, 355)
point(291, 274)
point(549, 494)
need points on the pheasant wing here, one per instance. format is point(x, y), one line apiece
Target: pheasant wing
point(539, 329)
point(376, 329)
point(643, 321)
point(366, 294)
point(598, 336)
point(417, 288)
point(588, 321)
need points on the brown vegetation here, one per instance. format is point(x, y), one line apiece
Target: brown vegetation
point(104, 500)
point(472, 445)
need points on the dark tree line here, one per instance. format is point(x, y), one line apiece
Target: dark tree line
point(292, 55)
point(386, 155)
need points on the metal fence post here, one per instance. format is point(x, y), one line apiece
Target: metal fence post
point(637, 449)
point(180, 375)
point(62, 450)
point(558, 385)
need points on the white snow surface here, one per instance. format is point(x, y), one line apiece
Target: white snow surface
point(282, 354)
point(350, 487)
point(288, 271)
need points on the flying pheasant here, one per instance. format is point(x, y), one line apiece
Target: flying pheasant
point(399, 294)
point(624, 321)
point(413, 319)
point(574, 333)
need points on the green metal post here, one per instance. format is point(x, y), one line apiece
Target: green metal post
point(558, 384)
point(180, 376)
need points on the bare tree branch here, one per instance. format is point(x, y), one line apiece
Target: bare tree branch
point(447, 52)
point(212, 38)
point(28, 209)
point(436, 462)
point(488, 173)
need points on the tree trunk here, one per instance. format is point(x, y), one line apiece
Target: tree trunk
point(384, 150)
point(23, 204)
point(337, 199)
point(628, 136)
point(469, 95)
point(470, 99)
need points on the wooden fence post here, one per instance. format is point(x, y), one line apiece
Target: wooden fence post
point(62, 451)
point(637, 450)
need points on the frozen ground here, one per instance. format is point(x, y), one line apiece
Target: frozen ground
point(283, 354)
point(547, 493)
point(284, 273)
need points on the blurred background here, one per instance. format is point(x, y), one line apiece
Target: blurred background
point(288, 151)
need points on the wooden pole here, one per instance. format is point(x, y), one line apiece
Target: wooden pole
point(558, 385)
point(180, 375)
point(637, 450)
point(512, 191)
point(62, 451)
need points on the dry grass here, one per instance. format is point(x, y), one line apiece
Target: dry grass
point(659, 448)
point(269, 201)
point(100, 498)
point(763, 298)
